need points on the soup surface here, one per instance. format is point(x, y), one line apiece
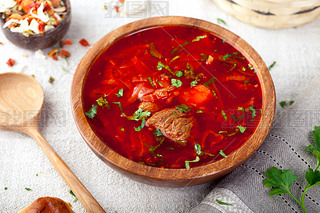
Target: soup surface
point(172, 97)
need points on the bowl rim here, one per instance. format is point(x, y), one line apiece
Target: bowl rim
point(215, 169)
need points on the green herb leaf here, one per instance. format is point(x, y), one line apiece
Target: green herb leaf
point(75, 197)
point(176, 82)
point(178, 47)
point(192, 161)
point(283, 103)
point(160, 66)
point(253, 111)
point(204, 57)
point(139, 114)
point(223, 40)
point(199, 111)
point(151, 82)
point(210, 81)
point(51, 80)
point(175, 58)
point(159, 83)
point(102, 102)
point(120, 93)
point(194, 83)
point(313, 177)
point(222, 153)
point(154, 52)
point(197, 148)
point(242, 129)
point(183, 108)
point(91, 113)
point(291, 102)
point(5, 188)
point(28, 189)
point(224, 115)
point(158, 132)
point(221, 21)
point(277, 191)
point(223, 203)
point(279, 178)
point(120, 106)
point(122, 129)
point(316, 136)
point(272, 65)
point(139, 128)
point(226, 56)
point(199, 37)
point(179, 74)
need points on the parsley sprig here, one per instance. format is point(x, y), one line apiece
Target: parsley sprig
point(282, 180)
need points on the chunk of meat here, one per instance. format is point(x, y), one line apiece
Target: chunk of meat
point(173, 124)
point(149, 106)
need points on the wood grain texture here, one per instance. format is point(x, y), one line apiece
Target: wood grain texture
point(41, 41)
point(162, 176)
point(21, 100)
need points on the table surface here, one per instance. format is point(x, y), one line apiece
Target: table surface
point(22, 162)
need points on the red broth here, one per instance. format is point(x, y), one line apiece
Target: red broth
point(173, 67)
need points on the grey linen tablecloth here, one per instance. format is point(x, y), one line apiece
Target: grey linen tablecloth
point(283, 148)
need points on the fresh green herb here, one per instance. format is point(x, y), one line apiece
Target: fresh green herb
point(5, 188)
point(242, 129)
point(159, 83)
point(102, 102)
point(178, 47)
point(142, 125)
point(179, 74)
point(222, 153)
point(37, 174)
point(283, 103)
point(203, 57)
point(250, 66)
point(183, 108)
point(192, 161)
point(223, 203)
point(197, 148)
point(272, 65)
point(215, 50)
point(51, 80)
point(160, 66)
point(92, 111)
point(154, 52)
point(65, 70)
point(235, 118)
point(223, 40)
point(176, 82)
point(158, 132)
point(120, 93)
point(170, 148)
point(175, 58)
point(221, 21)
point(224, 115)
point(281, 180)
point(261, 111)
point(210, 81)
point(139, 114)
point(65, 58)
point(199, 111)
point(151, 82)
point(193, 83)
point(199, 37)
point(142, 163)
point(223, 132)
point(291, 102)
point(120, 106)
point(181, 141)
point(75, 197)
point(243, 69)
point(253, 111)
point(122, 129)
point(246, 81)
point(28, 189)
point(159, 156)
point(226, 56)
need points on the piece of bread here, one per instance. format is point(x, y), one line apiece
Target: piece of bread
point(48, 205)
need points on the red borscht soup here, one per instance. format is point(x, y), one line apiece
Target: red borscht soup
point(172, 97)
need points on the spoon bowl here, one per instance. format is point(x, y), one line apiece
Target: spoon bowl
point(21, 100)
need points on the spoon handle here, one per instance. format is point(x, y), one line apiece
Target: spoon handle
point(87, 200)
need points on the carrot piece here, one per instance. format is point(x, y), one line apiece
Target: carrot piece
point(84, 42)
point(66, 42)
point(15, 16)
point(1, 43)
point(64, 53)
point(11, 62)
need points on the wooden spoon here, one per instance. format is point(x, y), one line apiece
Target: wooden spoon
point(21, 100)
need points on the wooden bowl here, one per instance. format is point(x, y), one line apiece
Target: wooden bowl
point(162, 176)
point(40, 41)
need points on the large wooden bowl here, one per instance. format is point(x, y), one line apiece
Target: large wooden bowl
point(173, 177)
point(41, 41)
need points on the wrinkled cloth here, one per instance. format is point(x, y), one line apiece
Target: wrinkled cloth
point(284, 148)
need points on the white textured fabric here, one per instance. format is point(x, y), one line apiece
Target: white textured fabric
point(297, 54)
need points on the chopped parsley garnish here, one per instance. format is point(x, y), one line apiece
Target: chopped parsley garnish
point(122, 129)
point(180, 45)
point(91, 113)
point(120, 93)
point(139, 114)
point(51, 80)
point(120, 106)
point(210, 81)
point(223, 203)
point(226, 56)
point(183, 108)
point(221, 21)
point(291, 102)
point(242, 129)
point(283, 103)
point(272, 65)
point(102, 102)
point(151, 82)
point(161, 65)
point(199, 111)
point(204, 57)
point(175, 58)
point(223, 40)
point(75, 197)
point(235, 118)
point(194, 83)
point(199, 37)
point(192, 161)
point(141, 126)
point(250, 66)
point(176, 82)
point(159, 83)
point(222, 153)
point(179, 74)
point(158, 132)
point(154, 52)
point(223, 132)
point(253, 111)
point(197, 148)
point(37, 174)
point(246, 81)
point(224, 115)
point(5, 188)
point(28, 189)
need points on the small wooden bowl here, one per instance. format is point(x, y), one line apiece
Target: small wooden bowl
point(173, 177)
point(41, 41)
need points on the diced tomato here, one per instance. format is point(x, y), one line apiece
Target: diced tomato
point(116, 8)
point(41, 27)
point(11, 62)
point(64, 53)
point(84, 42)
point(1, 43)
point(122, 1)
